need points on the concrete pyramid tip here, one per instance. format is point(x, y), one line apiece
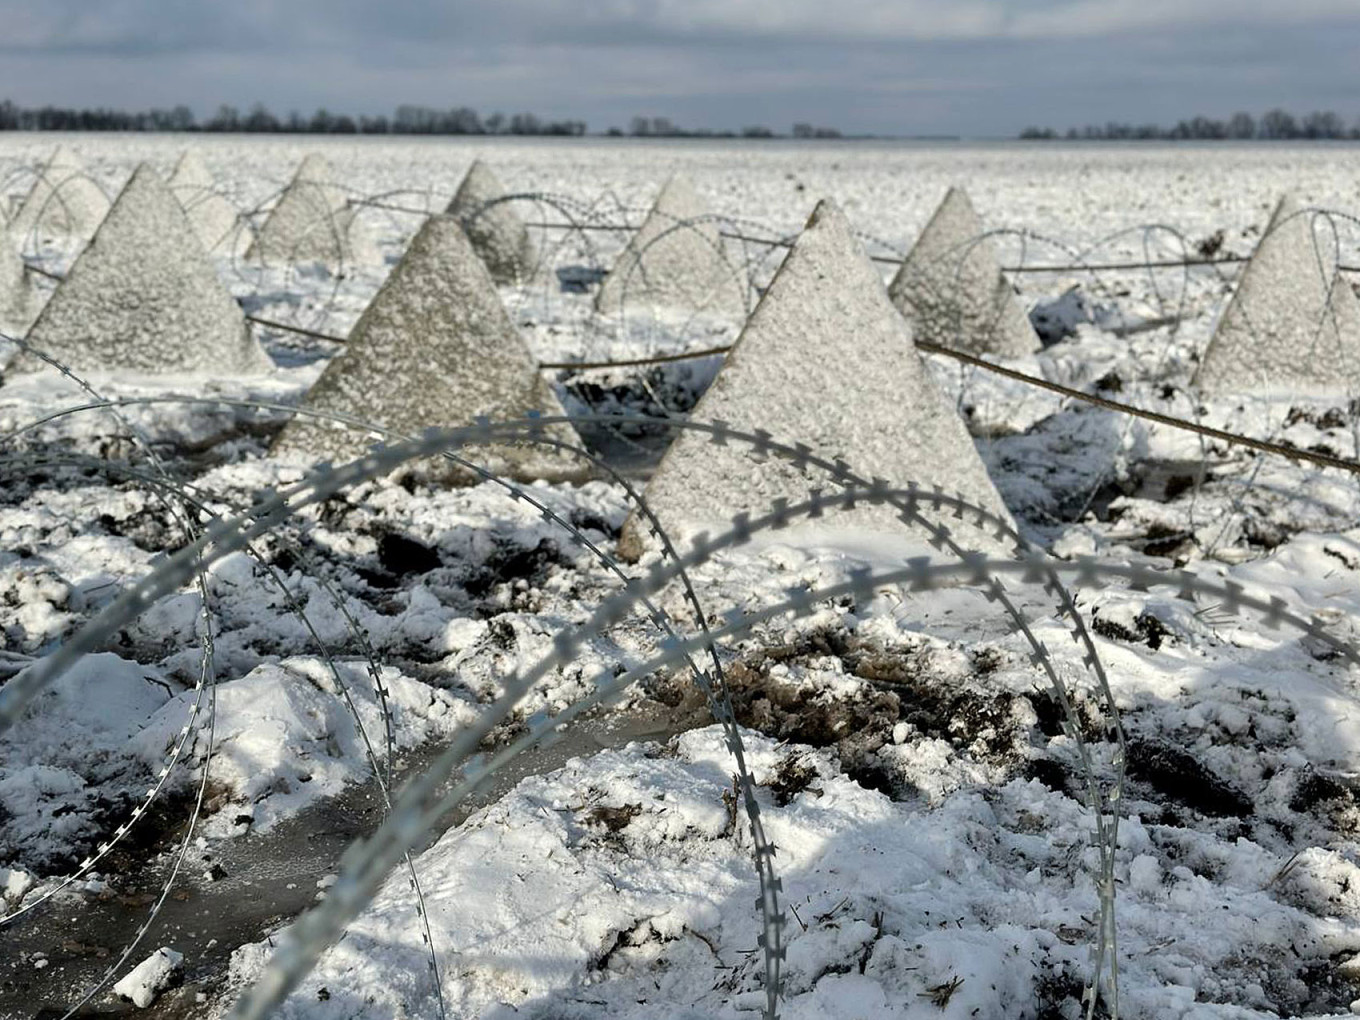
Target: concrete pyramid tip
point(824, 360)
point(64, 201)
point(1287, 207)
point(143, 297)
point(952, 290)
point(191, 171)
point(434, 348)
point(496, 231)
point(1293, 323)
point(314, 221)
point(678, 197)
point(215, 220)
point(64, 157)
point(676, 260)
point(314, 167)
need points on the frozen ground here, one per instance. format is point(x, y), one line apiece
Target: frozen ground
point(935, 849)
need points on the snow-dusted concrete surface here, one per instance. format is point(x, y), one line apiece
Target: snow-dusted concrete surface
point(825, 326)
point(951, 288)
point(143, 297)
point(496, 231)
point(434, 346)
point(62, 198)
point(912, 768)
point(676, 258)
point(217, 222)
point(1288, 326)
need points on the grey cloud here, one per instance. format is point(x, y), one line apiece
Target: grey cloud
point(957, 66)
point(147, 25)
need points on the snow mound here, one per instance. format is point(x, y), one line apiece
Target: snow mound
point(63, 201)
point(825, 360)
point(287, 734)
point(676, 260)
point(621, 886)
point(74, 747)
point(215, 220)
point(1293, 323)
point(144, 297)
point(952, 290)
point(434, 348)
point(497, 233)
point(14, 886)
point(313, 222)
point(150, 977)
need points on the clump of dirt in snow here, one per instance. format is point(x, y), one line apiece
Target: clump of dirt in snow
point(1179, 776)
point(656, 392)
point(514, 565)
point(1145, 628)
point(611, 819)
point(910, 720)
point(791, 776)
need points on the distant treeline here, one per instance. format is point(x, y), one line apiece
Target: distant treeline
point(663, 127)
point(406, 120)
point(1274, 125)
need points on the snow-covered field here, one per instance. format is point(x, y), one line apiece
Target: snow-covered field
point(936, 849)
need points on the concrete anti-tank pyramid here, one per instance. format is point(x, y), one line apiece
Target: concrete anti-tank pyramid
point(497, 233)
point(63, 201)
point(1293, 323)
point(825, 360)
point(676, 260)
point(215, 220)
point(434, 348)
point(143, 296)
point(952, 291)
point(313, 222)
point(18, 299)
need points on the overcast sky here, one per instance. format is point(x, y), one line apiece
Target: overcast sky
point(971, 67)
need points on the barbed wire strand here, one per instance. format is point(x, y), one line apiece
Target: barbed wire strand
point(884, 259)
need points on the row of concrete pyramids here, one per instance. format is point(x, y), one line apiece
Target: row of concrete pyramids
point(143, 297)
point(1286, 325)
point(675, 259)
point(950, 287)
point(1298, 325)
point(436, 347)
point(311, 221)
point(825, 357)
point(1293, 322)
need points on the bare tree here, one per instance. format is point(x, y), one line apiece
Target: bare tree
point(1242, 125)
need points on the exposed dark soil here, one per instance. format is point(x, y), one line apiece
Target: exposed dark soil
point(976, 721)
point(1178, 776)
